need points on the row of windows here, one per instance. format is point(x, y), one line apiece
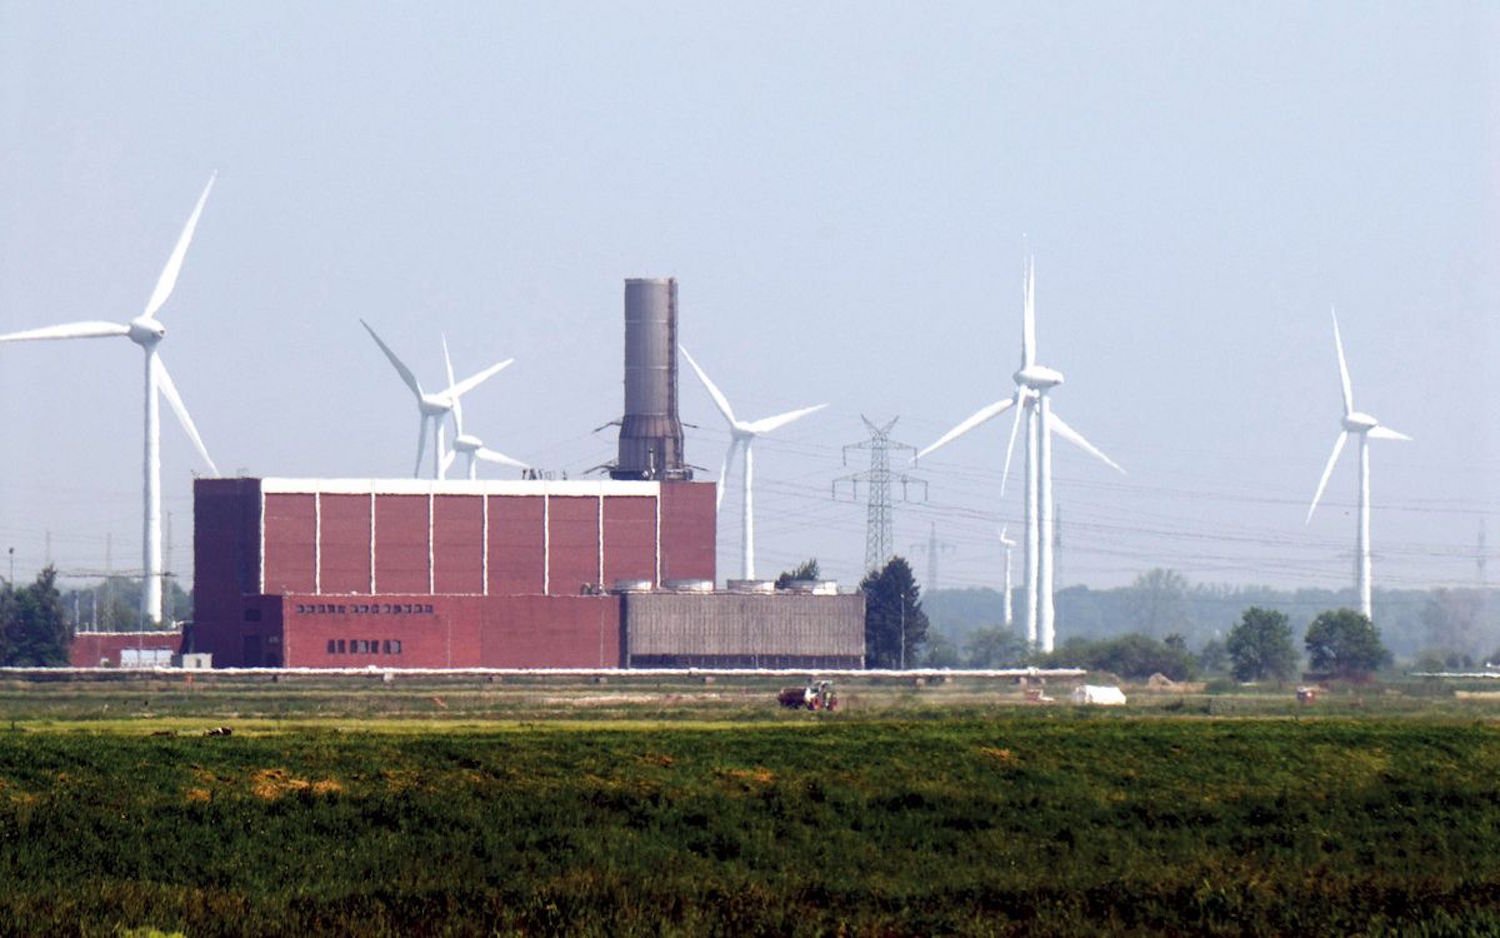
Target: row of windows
point(364, 646)
point(363, 609)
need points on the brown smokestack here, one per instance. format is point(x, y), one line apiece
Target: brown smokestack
point(650, 431)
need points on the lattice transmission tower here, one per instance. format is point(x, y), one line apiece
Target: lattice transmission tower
point(935, 548)
point(878, 538)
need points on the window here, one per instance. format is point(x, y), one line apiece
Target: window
point(341, 646)
point(332, 646)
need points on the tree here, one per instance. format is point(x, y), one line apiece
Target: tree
point(1260, 646)
point(807, 570)
point(1344, 643)
point(1454, 620)
point(1133, 656)
point(996, 648)
point(942, 652)
point(1213, 658)
point(895, 625)
point(33, 631)
point(1158, 602)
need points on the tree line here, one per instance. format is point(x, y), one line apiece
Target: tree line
point(1429, 629)
point(1261, 646)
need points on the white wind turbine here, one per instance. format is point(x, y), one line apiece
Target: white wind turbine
point(741, 434)
point(1367, 427)
point(1007, 543)
point(468, 444)
point(147, 331)
point(434, 407)
point(1030, 400)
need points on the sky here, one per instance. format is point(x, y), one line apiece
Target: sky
point(845, 192)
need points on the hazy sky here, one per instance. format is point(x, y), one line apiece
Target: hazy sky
point(844, 191)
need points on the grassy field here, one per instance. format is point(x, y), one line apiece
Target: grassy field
point(649, 808)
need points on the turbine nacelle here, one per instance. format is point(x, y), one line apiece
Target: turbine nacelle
point(1357, 422)
point(146, 331)
point(434, 405)
point(1038, 377)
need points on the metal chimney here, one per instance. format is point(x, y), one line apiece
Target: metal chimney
point(650, 432)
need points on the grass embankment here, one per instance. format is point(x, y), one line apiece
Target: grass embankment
point(1029, 824)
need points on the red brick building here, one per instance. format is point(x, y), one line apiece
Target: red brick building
point(116, 649)
point(421, 573)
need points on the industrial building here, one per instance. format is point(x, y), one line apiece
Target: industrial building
point(530, 573)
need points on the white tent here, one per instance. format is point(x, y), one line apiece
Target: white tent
point(1098, 695)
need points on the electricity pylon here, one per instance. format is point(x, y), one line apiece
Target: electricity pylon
point(878, 539)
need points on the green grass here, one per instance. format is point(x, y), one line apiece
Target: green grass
point(1013, 822)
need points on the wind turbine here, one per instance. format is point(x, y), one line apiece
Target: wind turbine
point(434, 407)
point(147, 331)
point(742, 433)
point(1366, 426)
point(470, 445)
point(1033, 381)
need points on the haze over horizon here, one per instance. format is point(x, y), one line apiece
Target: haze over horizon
point(845, 194)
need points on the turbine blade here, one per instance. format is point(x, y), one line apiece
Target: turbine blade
point(448, 460)
point(169, 391)
point(168, 278)
point(401, 369)
point(724, 473)
point(72, 330)
point(1028, 313)
point(1010, 446)
point(1061, 428)
point(1338, 447)
point(1343, 368)
point(984, 414)
point(421, 446)
point(489, 455)
point(767, 424)
point(1386, 433)
point(458, 412)
point(720, 400)
point(473, 381)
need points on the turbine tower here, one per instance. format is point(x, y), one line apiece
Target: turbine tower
point(1367, 427)
point(471, 446)
point(147, 331)
point(434, 407)
point(1007, 543)
point(742, 433)
point(1030, 399)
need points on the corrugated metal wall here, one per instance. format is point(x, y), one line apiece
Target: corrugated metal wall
point(744, 626)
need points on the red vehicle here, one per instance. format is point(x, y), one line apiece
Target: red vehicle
point(817, 695)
